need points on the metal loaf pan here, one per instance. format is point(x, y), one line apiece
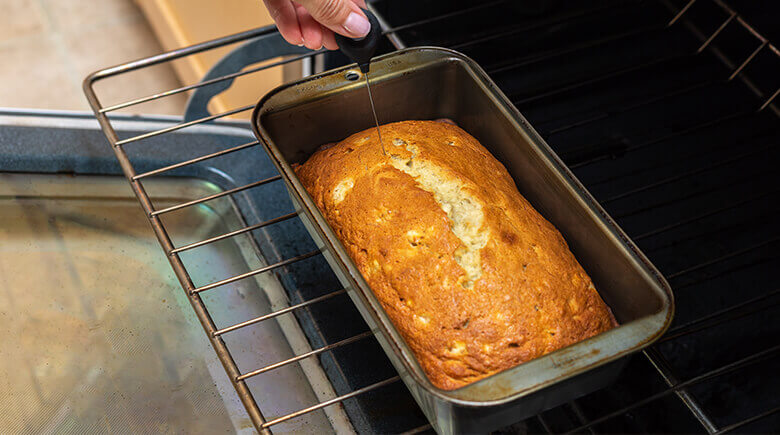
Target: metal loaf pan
point(429, 83)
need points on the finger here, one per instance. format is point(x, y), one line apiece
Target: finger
point(328, 39)
point(340, 16)
point(283, 13)
point(360, 3)
point(310, 29)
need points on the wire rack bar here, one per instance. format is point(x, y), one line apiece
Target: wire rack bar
point(440, 17)
point(743, 309)
point(717, 31)
point(255, 272)
point(769, 100)
point(625, 109)
point(720, 258)
point(760, 416)
point(603, 77)
point(611, 179)
point(732, 15)
point(723, 272)
point(235, 233)
point(195, 160)
point(643, 103)
point(664, 368)
point(215, 196)
point(210, 82)
point(717, 232)
point(746, 25)
point(726, 271)
point(333, 401)
point(392, 37)
point(279, 312)
point(530, 60)
point(543, 422)
point(720, 371)
point(713, 235)
point(681, 13)
point(577, 411)
point(663, 138)
point(176, 127)
point(708, 235)
point(537, 25)
point(747, 61)
point(172, 55)
point(305, 355)
point(686, 174)
point(730, 183)
point(418, 429)
point(765, 42)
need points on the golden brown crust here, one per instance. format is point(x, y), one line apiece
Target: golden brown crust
point(524, 296)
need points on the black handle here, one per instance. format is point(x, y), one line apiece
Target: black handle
point(362, 50)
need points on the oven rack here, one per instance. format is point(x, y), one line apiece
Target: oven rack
point(262, 422)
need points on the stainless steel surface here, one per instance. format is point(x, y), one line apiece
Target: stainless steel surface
point(430, 83)
point(97, 334)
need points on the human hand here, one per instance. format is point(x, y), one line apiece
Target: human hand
point(312, 22)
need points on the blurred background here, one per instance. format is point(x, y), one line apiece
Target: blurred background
point(49, 46)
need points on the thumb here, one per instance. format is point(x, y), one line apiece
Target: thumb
point(340, 16)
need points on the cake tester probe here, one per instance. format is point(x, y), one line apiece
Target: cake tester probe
point(361, 51)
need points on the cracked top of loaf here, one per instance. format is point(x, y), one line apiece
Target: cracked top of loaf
point(470, 274)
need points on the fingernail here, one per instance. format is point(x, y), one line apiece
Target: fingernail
point(357, 24)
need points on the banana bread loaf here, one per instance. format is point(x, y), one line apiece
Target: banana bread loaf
point(471, 275)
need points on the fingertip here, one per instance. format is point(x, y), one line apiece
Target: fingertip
point(310, 29)
point(283, 14)
point(294, 39)
point(312, 45)
point(356, 24)
point(329, 40)
point(341, 16)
